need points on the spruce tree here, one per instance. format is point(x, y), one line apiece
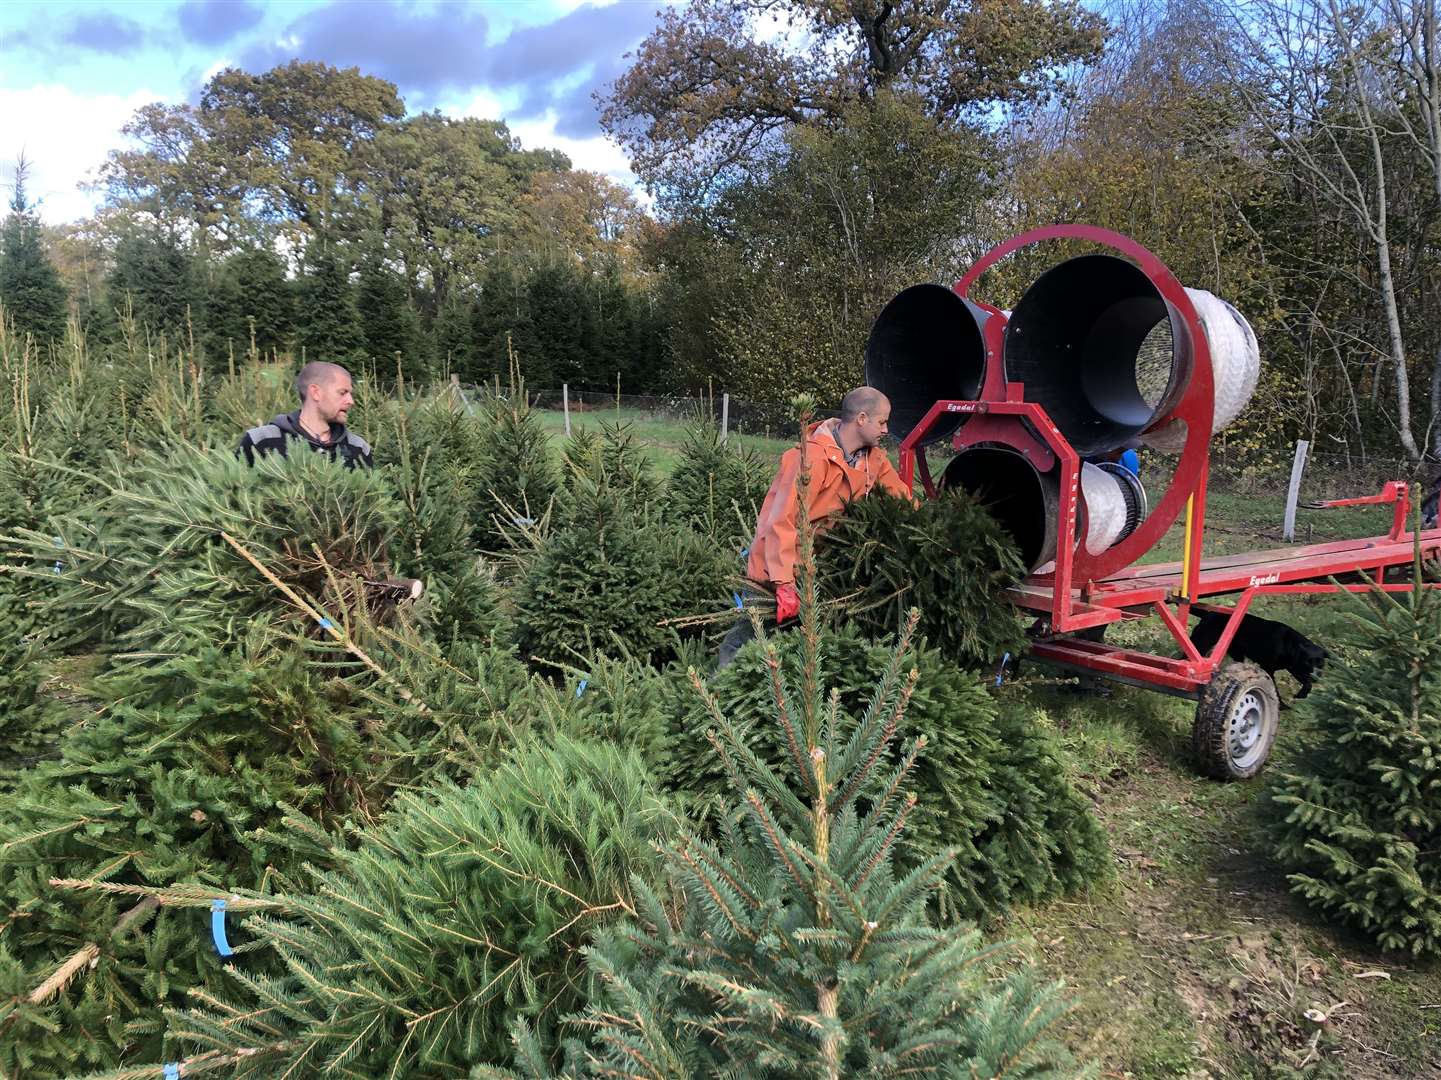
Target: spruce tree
point(387, 321)
point(329, 327)
point(155, 279)
point(1356, 822)
point(792, 946)
point(32, 295)
point(716, 489)
point(992, 785)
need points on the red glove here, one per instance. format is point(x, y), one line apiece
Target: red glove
point(788, 604)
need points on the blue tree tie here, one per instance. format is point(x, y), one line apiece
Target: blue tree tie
point(217, 929)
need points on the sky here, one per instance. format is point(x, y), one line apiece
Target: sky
point(72, 72)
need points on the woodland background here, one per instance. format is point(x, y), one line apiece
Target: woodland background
point(1284, 154)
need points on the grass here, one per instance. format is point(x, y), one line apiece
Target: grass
point(661, 434)
point(1195, 960)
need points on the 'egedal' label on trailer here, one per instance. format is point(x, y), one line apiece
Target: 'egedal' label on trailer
point(1269, 579)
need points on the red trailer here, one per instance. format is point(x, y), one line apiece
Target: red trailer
point(1237, 710)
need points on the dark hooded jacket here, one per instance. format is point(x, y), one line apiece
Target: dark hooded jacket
point(277, 435)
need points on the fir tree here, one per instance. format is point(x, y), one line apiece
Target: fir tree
point(330, 324)
point(464, 910)
point(612, 459)
point(147, 566)
point(946, 556)
point(32, 295)
point(502, 327)
point(610, 573)
point(249, 296)
point(791, 947)
point(1357, 821)
point(438, 450)
point(165, 784)
point(516, 477)
point(455, 345)
point(716, 489)
point(561, 349)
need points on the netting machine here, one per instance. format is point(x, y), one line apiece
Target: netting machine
point(1105, 352)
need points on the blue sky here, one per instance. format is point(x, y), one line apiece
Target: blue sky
point(72, 72)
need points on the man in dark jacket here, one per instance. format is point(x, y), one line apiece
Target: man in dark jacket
point(319, 423)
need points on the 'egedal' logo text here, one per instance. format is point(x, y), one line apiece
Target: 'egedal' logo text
point(1269, 579)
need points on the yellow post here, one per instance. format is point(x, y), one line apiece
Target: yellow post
point(1186, 551)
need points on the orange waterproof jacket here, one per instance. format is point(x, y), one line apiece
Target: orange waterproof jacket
point(833, 484)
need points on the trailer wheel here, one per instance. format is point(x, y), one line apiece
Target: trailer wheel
point(1236, 723)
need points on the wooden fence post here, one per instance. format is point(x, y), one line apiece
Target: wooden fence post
point(565, 403)
point(725, 416)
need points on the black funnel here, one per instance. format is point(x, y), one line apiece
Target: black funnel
point(1023, 501)
point(1076, 341)
point(925, 347)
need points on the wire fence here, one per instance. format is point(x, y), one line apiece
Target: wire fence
point(1259, 480)
point(733, 416)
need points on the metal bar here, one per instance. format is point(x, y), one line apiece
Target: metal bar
point(565, 404)
point(1223, 643)
point(1293, 492)
point(725, 416)
point(1178, 631)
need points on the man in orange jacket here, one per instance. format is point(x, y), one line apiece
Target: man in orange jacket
point(846, 463)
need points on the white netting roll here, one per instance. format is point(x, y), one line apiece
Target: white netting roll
point(1105, 508)
point(1235, 367)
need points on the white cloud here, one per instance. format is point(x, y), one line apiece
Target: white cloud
point(65, 136)
point(596, 154)
point(482, 106)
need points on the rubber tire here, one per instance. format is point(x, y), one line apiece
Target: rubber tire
point(1210, 735)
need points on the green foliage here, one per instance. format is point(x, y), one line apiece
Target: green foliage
point(180, 765)
point(716, 489)
point(32, 296)
point(946, 556)
point(147, 566)
point(1357, 822)
point(438, 453)
point(515, 476)
point(330, 329)
point(465, 909)
point(387, 323)
point(991, 785)
point(155, 280)
point(793, 946)
point(611, 571)
point(249, 292)
point(610, 464)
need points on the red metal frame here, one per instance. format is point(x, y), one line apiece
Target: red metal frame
point(1088, 590)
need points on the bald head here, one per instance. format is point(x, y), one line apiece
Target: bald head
point(863, 399)
point(318, 373)
point(865, 418)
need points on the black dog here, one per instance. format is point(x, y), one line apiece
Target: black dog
point(1270, 645)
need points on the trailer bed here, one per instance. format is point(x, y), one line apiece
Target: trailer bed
point(1140, 586)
